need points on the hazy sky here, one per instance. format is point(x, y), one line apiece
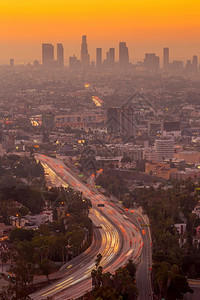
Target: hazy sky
point(146, 26)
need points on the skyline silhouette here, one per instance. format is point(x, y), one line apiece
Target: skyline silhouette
point(173, 54)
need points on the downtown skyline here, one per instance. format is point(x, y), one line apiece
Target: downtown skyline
point(104, 51)
point(99, 149)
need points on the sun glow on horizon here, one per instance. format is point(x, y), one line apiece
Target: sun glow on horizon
point(135, 21)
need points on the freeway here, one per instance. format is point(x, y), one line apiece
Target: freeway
point(120, 239)
point(143, 274)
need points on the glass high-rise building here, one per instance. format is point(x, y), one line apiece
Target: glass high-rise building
point(113, 120)
point(195, 63)
point(98, 57)
point(60, 55)
point(165, 58)
point(151, 61)
point(123, 54)
point(47, 54)
point(74, 63)
point(112, 55)
point(85, 58)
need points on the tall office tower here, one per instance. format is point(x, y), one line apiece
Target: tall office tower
point(85, 58)
point(123, 54)
point(47, 54)
point(113, 120)
point(151, 61)
point(60, 55)
point(195, 63)
point(98, 57)
point(177, 66)
point(189, 66)
point(165, 58)
point(74, 63)
point(110, 58)
point(164, 149)
point(126, 120)
point(112, 55)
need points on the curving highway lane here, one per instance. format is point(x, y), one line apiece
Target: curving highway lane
point(120, 239)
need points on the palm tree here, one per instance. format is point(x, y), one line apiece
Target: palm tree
point(45, 267)
point(99, 276)
point(4, 255)
point(98, 259)
point(93, 274)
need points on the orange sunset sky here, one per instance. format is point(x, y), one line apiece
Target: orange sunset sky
point(146, 26)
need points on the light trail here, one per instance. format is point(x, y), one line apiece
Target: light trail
point(116, 233)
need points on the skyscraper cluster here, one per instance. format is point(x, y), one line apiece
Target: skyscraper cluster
point(48, 55)
point(151, 61)
point(84, 62)
point(108, 62)
point(176, 65)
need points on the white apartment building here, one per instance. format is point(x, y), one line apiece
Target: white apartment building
point(164, 149)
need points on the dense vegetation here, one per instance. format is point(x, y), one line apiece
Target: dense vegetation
point(35, 251)
point(175, 257)
point(21, 182)
point(118, 286)
point(172, 261)
point(18, 167)
point(114, 184)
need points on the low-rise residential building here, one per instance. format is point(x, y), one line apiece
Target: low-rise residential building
point(190, 157)
point(187, 173)
point(181, 228)
point(4, 230)
point(149, 154)
point(18, 222)
point(161, 170)
point(79, 119)
point(196, 211)
point(37, 220)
